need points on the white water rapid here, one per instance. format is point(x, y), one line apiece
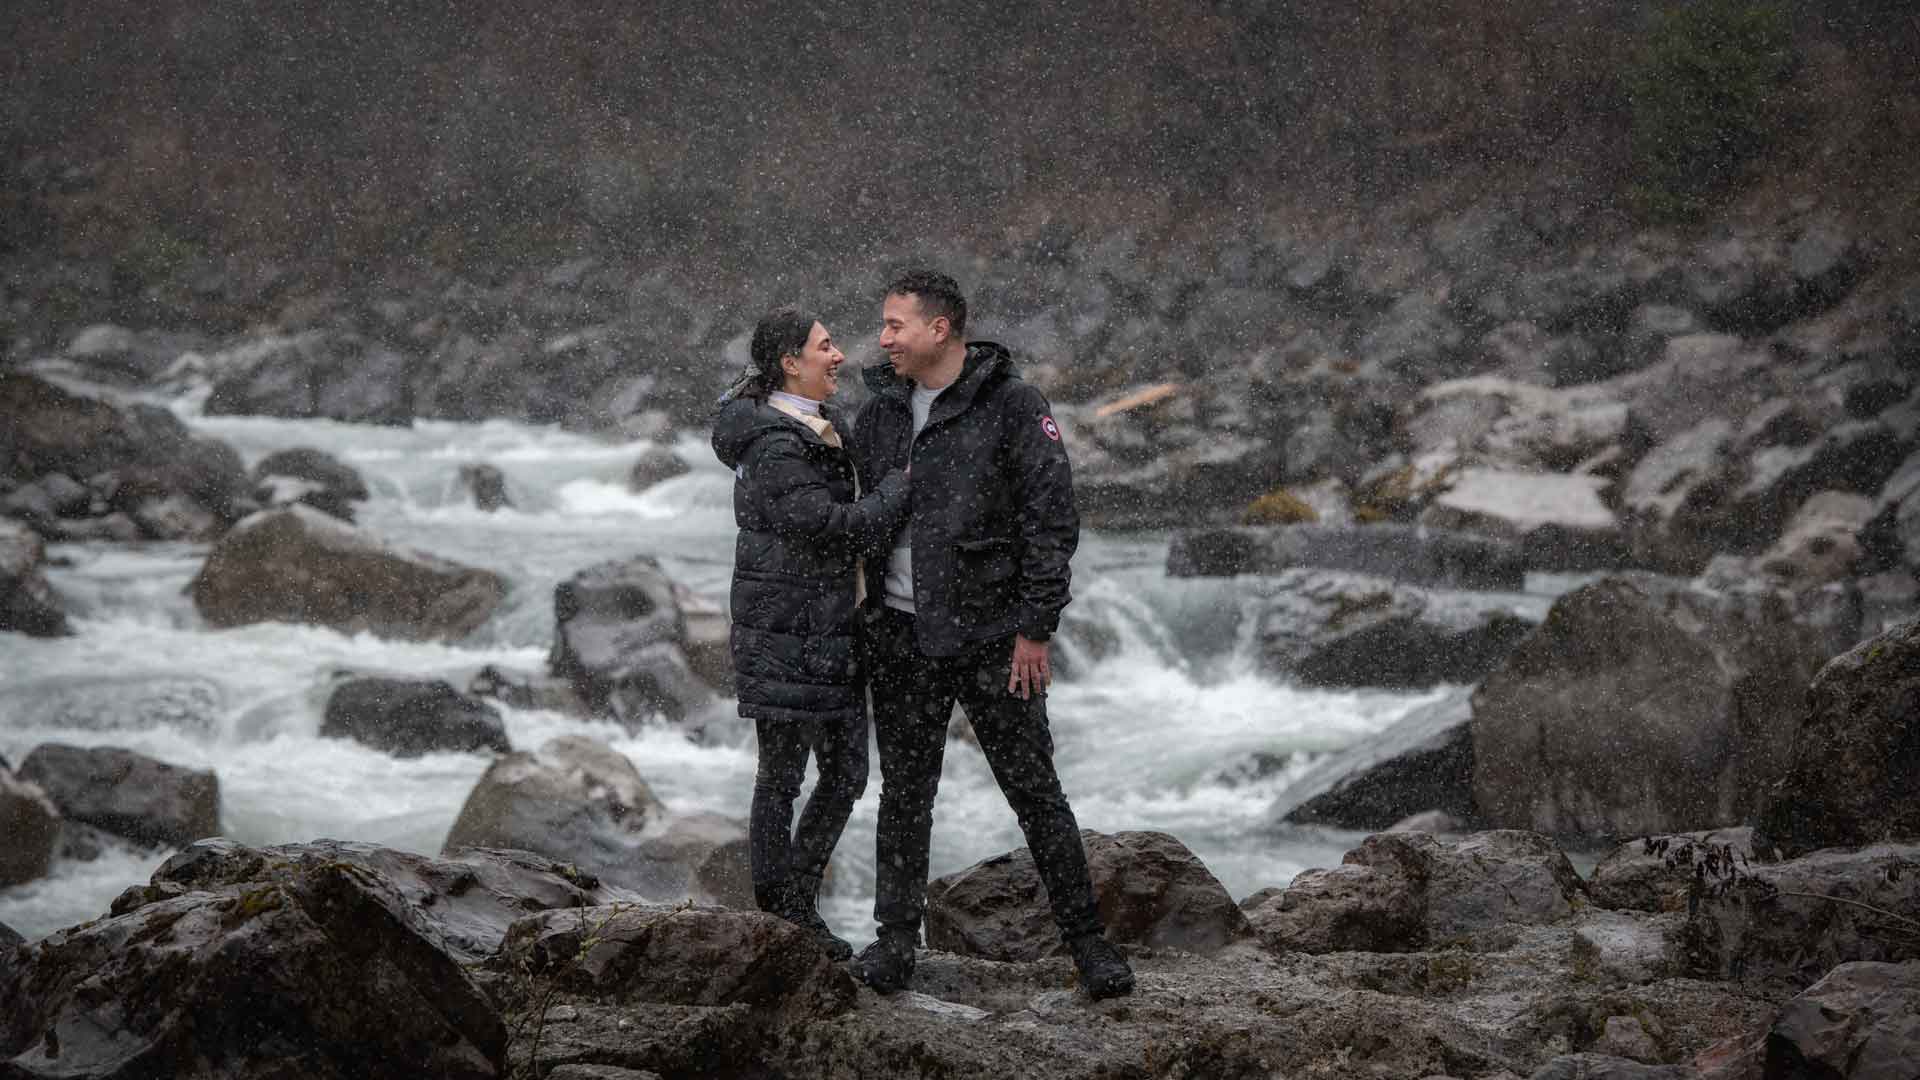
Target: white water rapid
point(1152, 727)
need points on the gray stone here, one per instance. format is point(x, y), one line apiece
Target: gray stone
point(1151, 891)
point(127, 794)
point(655, 464)
point(1860, 1022)
point(31, 824)
point(410, 717)
point(1855, 771)
point(1404, 554)
point(1657, 873)
point(1643, 705)
point(1560, 522)
point(28, 604)
point(617, 639)
point(317, 466)
point(488, 485)
point(1422, 763)
point(296, 564)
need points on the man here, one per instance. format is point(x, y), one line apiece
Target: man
point(964, 609)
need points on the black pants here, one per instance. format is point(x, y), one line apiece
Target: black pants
point(913, 698)
point(776, 849)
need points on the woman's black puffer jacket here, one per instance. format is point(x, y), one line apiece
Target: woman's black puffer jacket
point(793, 564)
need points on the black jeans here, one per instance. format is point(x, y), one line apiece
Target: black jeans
point(777, 850)
point(913, 698)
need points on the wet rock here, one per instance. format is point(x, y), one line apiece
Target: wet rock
point(1887, 600)
point(1643, 705)
point(579, 800)
point(1821, 542)
point(28, 604)
point(1649, 329)
point(309, 476)
point(1402, 553)
point(1891, 538)
point(1502, 423)
point(617, 639)
point(1855, 760)
point(487, 484)
point(1423, 763)
point(331, 374)
point(176, 517)
point(1858, 457)
point(1656, 873)
point(1559, 522)
point(32, 826)
point(1151, 891)
point(706, 638)
point(296, 564)
point(526, 690)
point(467, 900)
point(637, 955)
point(725, 876)
point(1756, 284)
point(1674, 500)
point(1414, 337)
point(410, 717)
point(130, 357)
point(1399, 892)
point(1857, 1022)
point(655, 464)
point(1698, 378)
point(327, 962)
point(1790, 922)
point(127, 794)
point(129, 455)
point(1328, 628)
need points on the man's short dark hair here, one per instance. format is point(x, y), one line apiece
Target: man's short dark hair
point(938, 294)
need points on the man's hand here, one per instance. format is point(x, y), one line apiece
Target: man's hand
point(1032, 673)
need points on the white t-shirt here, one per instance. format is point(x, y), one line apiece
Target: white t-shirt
point(900, 563)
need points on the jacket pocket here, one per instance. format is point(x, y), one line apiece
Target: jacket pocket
point(988, 571)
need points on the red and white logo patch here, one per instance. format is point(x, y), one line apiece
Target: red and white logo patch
point(1052, 429)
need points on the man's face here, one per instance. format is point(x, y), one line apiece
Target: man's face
point(911, 340)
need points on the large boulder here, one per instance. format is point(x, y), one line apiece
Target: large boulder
point(321, 963)
point(468, 899)
point(410, 717)
point(1328, 628)
point(317, 374)
point(1403, 892)
point(139, 460)
point(1423, 762)
point(1151, 891)
point(296, 564)
point(27, 603)
point(32, 826)
point(1821, 543)
point(1407, 554)
point(640, 955)
point(127, 794)
point(583, 802)
point(1643, 705)
point(1855, 772)
point(1673, 499)
point(1561, 522)
point(617, 638)
point(1504, 424)
point(1791, 922)
point(1857, 1023)
point(1858, 456)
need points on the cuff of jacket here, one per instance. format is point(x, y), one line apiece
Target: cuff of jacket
point(1039, 626)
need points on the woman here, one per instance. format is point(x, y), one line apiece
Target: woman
point(804, 525)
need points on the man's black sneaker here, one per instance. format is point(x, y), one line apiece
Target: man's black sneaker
point(1103, 971)
point(885, 965)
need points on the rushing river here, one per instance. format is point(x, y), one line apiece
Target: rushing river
point(1162, 708)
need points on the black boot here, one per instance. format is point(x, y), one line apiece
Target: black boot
point(887, 964)
point(803, 910)
point(1103, 971)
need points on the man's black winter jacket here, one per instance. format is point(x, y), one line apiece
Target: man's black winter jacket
point(993, 520)
point(800, 531)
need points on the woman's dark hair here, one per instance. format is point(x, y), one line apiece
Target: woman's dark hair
point(780, 332)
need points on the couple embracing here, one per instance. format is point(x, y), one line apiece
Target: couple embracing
point(922, 557)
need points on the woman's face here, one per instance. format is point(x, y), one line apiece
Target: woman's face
point(815, 372)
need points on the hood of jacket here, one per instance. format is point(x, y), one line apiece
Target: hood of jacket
point(985, 360)
point(742, 420)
